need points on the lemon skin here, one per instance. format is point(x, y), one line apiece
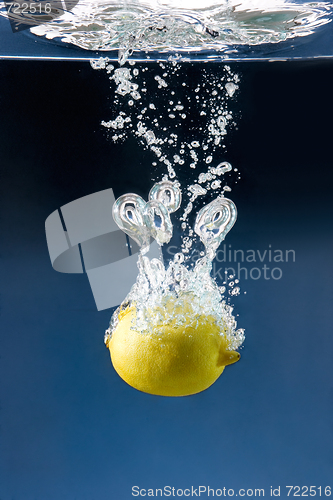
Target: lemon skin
point(170, 360)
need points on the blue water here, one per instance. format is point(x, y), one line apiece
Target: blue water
point(70, 427)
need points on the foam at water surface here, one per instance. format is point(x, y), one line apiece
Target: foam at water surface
point(165, 26)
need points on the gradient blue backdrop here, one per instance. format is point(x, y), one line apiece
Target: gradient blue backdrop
point(71, 429)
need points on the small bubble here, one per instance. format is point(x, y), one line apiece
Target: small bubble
point(183, 284)
point(179, 257)
point(99, 63)
point(231, 88)
point(216, 184)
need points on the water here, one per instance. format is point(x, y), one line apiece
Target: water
point(148, 30)
point(195, 26)
point(268, 421)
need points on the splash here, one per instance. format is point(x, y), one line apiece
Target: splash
point(175, 310)
point(171, 295)
point(164, 121)
point(193, 26)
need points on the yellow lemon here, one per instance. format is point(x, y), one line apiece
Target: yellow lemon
point(170, 360)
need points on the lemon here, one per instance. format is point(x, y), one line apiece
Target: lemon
point(170, 359)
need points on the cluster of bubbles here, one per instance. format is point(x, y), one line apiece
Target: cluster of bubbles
point(163, 295)
point(184, 127)
point(157, 114)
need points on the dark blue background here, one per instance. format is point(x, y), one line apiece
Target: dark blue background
point(70, 427)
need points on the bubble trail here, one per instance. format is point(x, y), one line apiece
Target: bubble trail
point(176, 300)
point(156, 285)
